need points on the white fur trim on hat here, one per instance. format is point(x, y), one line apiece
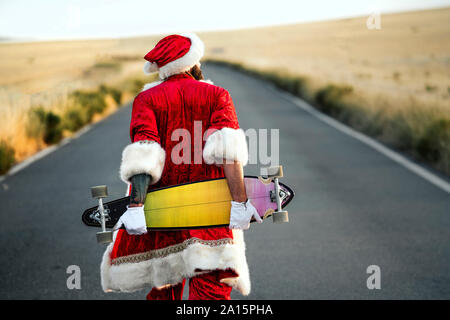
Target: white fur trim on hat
point(173, 268)
point(226, 144)
point(190, 59)
point(142, 157)
point(150, 67)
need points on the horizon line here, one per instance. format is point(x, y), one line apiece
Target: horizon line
point(4, 39)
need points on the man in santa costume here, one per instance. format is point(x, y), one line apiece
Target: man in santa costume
point(212, 259)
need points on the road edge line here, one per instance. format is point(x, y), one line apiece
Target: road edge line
point(391, 154)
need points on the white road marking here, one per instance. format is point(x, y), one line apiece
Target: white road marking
point(393, 155)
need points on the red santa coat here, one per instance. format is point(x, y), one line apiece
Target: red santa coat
point(165, 258)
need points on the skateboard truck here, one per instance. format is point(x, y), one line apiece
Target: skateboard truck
point(280, 215)
point(100, 192)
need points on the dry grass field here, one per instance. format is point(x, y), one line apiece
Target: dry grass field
point(395, 80)
point(410, 52)
point(45, 74)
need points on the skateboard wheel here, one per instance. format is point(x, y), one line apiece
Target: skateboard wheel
point(104, 237)
point(99, 192)
point(280, 217)
point(275, 172)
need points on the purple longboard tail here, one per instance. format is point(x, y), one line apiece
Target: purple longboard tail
point(259, 193)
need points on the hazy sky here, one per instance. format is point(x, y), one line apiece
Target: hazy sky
point(68, 19)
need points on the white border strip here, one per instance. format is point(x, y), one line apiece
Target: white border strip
point(43, 153)
point(408, 164)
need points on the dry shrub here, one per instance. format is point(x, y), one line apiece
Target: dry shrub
point(7, 157)
point(44, 124)
point(91, 102)
point(434, 144)
point(115, 93)
point(329, 99)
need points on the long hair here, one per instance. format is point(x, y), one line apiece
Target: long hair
point(196, 73)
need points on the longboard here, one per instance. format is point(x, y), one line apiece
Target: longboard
point(201, 204)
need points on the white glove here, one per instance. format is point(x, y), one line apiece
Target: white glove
point(241, 214)
point(134, 221)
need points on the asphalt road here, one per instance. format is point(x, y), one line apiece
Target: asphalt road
point(354, 208)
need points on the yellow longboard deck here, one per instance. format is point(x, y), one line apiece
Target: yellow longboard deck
point(190, 205)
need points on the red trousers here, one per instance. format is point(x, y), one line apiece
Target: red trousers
point(203, 287)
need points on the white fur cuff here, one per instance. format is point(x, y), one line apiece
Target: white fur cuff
point(142, 157)
point(226, 145)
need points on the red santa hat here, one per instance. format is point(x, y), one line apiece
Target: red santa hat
point(174, 54)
